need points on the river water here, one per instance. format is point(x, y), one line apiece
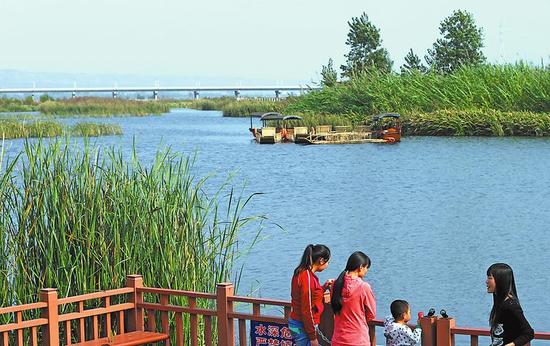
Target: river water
point(432, 212)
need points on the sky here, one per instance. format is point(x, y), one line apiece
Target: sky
point(279, 41)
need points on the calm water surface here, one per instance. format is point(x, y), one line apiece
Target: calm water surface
point(432, 213)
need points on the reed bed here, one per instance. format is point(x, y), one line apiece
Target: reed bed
point(81, 219)
point(86, 129)
point(478, 122)
point(245, 107)
point(17, 105)
point(96, 106)
point(206, 104)
point(37, 128)
point(11, 128)
point(232, 107)
point(506, 88)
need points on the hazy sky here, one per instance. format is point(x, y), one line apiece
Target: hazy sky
point(278, 40)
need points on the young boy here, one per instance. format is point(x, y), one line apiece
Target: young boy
point(396, 331)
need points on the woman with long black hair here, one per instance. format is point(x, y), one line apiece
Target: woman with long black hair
point(509, 327)
point(353, 303)
point(307, 295)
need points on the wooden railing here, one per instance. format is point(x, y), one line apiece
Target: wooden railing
point(447, 330)
point(219, 318)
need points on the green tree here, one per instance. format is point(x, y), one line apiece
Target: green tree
point(329, 74)
point(366, 51)
point(412, 64)
point(461, 43)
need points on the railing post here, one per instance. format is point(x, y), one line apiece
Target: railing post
point(372, 334)
point(429, 335)
point(165, 323)
point(226, 331)
point(444, 335)
point(51, 330)
point(326, 325)
point(135, 318)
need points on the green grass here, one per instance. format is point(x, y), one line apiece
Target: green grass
point(96, 106)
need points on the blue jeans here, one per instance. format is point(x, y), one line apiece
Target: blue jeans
point(298, 332)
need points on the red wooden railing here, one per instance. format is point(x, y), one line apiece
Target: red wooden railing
point(447, 330)
point(220, 317)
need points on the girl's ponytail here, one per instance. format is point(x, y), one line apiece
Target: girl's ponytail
point(336, 300)
point(312, 254)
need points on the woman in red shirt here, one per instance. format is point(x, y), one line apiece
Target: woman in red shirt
point(307, 295)
point(353, 303)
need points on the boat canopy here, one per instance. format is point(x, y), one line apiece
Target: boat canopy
point(292, 117)
point(385, 115)
point(271, 116)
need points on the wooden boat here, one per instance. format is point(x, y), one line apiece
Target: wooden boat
point(387, 126)
point(342, 138)
point(384, 128)
point(281, 132)
point(267, 135)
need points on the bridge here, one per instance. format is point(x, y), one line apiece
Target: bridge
point(196, 90)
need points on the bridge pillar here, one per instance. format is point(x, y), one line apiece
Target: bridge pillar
point(237, 94)
point(195, 94)
point(156, 95)
point(277, 94)
point(73, 94)
point(115, 93)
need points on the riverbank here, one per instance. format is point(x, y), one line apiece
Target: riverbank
point(32, 127)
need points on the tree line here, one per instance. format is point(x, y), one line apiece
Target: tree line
point(460, 44)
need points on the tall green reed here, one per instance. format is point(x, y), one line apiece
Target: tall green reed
point(34, 127)
point(12, 128)
point(97, 106)
point(17, 105)
point(476, 122)
point(506, 88)
point(81, 219)
point(232, 107)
